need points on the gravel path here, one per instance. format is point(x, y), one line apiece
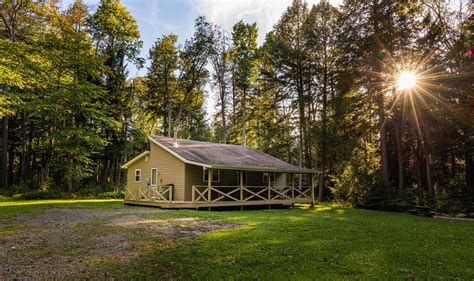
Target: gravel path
point(64, 243)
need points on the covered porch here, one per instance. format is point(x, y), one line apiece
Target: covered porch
point(213, 187)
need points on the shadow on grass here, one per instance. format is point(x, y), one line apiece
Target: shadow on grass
point(324, 242)
point(327, 242)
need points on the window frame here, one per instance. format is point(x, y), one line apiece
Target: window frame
point(213, 173)
point(156, 177)
point(268, 175)
point(139, 175)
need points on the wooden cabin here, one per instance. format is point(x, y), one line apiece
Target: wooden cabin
point(177, 173)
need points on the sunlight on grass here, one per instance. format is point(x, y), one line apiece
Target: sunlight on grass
point(140, 222)
point(55, 201)
point(295, 218)
point(323, 208)
point(326, 242)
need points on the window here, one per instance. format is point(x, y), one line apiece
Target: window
point(154, 175)
point(216, 176)
point(138, 175)
point(265, 177)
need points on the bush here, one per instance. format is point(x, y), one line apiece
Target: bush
point(24, 193)
point(118, 194)
point(453, 198)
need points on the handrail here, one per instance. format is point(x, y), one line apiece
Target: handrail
point(162, 193)
point(215, 193)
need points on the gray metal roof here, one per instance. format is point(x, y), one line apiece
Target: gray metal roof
point(225, 156)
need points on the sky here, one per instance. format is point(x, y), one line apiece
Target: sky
point(156, 18)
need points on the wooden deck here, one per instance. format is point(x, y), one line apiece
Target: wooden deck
point(220, 196)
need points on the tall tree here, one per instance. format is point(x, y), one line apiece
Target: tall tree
point(193, 76)
point(220, 62)
point(116, 37)
point(320, 27)
point(290, 58)
point(162, 82)
point(244, 56)
point(69, 105)
point(19, 20)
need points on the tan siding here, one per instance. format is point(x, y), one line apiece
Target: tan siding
point(170, 171)
point(193, 177)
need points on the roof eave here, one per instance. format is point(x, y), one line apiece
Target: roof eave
point(177, 155)
point(126, 165)
point(263, 169)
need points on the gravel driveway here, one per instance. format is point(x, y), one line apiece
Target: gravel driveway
point(66, 243)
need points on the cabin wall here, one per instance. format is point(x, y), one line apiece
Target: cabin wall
point(193, 177)
point(171, 170)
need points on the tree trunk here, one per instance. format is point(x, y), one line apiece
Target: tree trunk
point(379, 92)
point(169, 119)
point(244, 101)
point(11, 164)
point(469, 157)
point(4, 165)
point(429, 181)
point(29, 157)
point(224, 124)
point(23, 162)
point(69, 176)
point(324, 134)
point(398, 138)
point(419, 171)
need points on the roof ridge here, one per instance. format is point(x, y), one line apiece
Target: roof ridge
point(218, 143)
point(210, 154)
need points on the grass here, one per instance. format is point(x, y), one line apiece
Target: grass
point(327, 242)
point(10, 208)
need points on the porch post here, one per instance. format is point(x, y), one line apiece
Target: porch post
point(313, 180)
point(241, 175)
point(269, 194)
point(293, 186)
point(209, 185)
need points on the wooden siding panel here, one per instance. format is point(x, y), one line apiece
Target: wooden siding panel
point(193, 177)
point(170, 171)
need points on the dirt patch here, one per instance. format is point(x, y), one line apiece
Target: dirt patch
point(62, 243)
point(172, 228)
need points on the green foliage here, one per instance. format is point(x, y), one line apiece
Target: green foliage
point(318, 93)
point(116, 34)
point(50, 192)
point(175, 81)
point(452, 198)
point(161, 96)
point(244, 54)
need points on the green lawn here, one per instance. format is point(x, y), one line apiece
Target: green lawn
point(327, 242)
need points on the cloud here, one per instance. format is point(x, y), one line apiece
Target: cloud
point(265, 13)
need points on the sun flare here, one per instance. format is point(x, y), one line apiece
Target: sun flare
point(406, 80)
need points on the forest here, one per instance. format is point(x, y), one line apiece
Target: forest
point(325, 90)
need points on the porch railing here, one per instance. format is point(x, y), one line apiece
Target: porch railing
point(206, 194)
point(163, 193)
